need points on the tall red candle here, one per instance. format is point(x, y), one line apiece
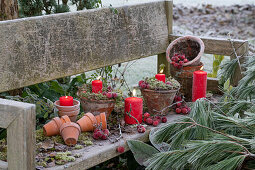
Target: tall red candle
point(136, 104)
point(199, 85)
point(97, 86)
point(161, 77)
point(66, 101)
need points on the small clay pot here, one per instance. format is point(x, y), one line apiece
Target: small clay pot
point(101, 119)
point(157, 101)
point(88, 122)
point(71, 111)
point(52, 127)
point(70, 132)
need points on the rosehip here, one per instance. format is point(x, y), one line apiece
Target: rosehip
point(104, 93)
point(109, 95)
point(109, 88)
point(185, 60)
point(179, 98)
point(146, 115)
point(155, 123)
point(175, 54)
point(169, 83)
point(144, 119)
point(96, 136)
point(176, 65)
point(149, 121)
point(120, 149)
point(164, 119)
point(104, 136)
point(141, 129)
point(158, 118)
point(183, 57)
point(181, 62)
point(178, 110)
point(184, 110)
point(147, 86)
point(179, 66)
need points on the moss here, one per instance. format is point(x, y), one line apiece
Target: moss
point(85, 138)
point(3, 150)
point(154, 84)
point(40, 137)
point(88, 142)
point(78, 147)
point(42, 163)
point(80, 115)
point(60, 162)
point(3, 156)
point(63, 157)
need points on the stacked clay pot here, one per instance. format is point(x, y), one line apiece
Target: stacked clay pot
point(70, 131)
point(71, 111)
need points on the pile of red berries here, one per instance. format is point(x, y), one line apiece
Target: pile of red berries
point(120, 149)
point(153, 120)
point(143, 84)
point(178, 60)
point(101, 134)
point(109, 94)
point(180, 106)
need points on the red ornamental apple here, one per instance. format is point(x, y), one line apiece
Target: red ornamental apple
point(146, 115)
point(141, 129)
point(104, 93)
point(147, 86)
point(176, 65)
point(155, 123)
point(109, 88)
point(183, 57)
point(109, 95)
point(178, 104)
point(120, 149)
point(114, 95)
point(179, 66)
point(185, 60)
point(106, 132)
point(143, 86)
point(181, 62)
point(104, 137)
point(141, 82)
point(149, 121)
point(184, 111)
point(178, 110)
point(179, 98)
point(164, 119)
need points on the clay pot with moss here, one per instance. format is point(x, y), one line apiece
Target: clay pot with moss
point(71, 111)
point(97, 103)
point(158, 96)
point(52, 128)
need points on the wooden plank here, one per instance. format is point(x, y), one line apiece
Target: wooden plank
point(38, 49)
point(220, 46)
point(20, 134)
point(96, 154)
point(3, 165)
point(213, 85)
point(169, 17)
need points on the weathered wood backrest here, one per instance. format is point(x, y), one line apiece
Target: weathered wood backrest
point(39, 49)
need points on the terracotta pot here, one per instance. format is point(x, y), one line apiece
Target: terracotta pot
point(97, 106)
point(70, 132)
point(192, 47)
point(185, 77)
point(156, 100)
point(52, 127)
point(101, 119)
point(88, 122)
point(71, 111)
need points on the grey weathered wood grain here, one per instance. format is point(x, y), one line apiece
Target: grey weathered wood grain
point(20, 133)
point(220, 46)
point(169, 17)
point(3, 165)
point(213, 85)
point(96, 154)
point(38, 49)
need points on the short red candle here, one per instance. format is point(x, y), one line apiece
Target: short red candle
point(136, 104)
point(66, 101)
point(161, 77)
point(97, 86)
point(199, 85)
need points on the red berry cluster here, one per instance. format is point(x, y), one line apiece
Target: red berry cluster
point(141, 129)
point(180, 106)
point(101, 134)
point(178, 60)
point(148, 119)
point(109, 94)
point(143, 84)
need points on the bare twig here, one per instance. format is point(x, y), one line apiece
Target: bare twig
point(118, 138)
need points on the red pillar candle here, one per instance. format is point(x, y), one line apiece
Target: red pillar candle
point(199, 85)
point(97, 86)
point(66, 101)
point(136, 104)
point(161, 77)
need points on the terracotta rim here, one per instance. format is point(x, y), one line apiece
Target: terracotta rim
point(58, 121)
point(65, 118)
point(103, 117)
point(76, 104)
point(159, 91)
point(68, 124)
point(201, 43)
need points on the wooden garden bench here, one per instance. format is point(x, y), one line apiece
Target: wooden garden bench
point(39, 49)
